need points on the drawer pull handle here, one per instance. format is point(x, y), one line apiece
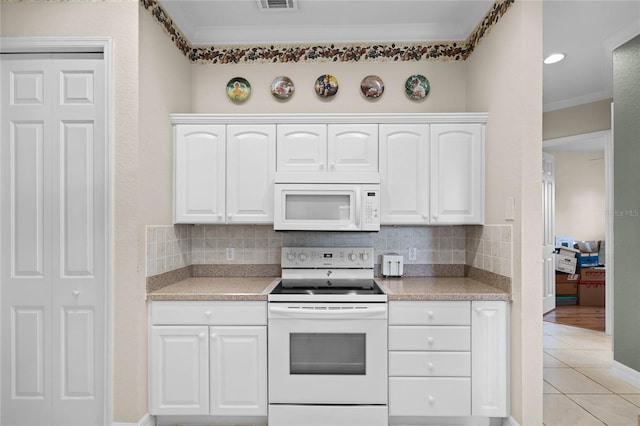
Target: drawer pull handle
point(430, 365)
point(431, 399)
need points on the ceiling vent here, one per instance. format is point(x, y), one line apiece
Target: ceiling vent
point(277, 4)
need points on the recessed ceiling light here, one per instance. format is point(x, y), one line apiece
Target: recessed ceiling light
point(553, 58)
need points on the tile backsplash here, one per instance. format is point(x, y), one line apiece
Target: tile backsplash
point(172, 247)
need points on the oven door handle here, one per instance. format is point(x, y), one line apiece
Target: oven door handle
point(328, 313)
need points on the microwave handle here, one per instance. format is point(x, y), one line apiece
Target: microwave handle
point(358, 207)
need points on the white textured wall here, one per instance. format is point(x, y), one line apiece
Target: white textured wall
point(585, 118)
point(165, 87)
point(580, 194)
point(505, 78)
point(447, 93)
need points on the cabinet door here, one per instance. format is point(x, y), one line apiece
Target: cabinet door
point(251, 158)
point(353, 148)
point(179, 370)
point(404, 174)
point(199, 173)
point(302, 147)
point(239, 371)
point(457, 174)
point(489, 364)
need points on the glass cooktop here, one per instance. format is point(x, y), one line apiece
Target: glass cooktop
point(327, 287)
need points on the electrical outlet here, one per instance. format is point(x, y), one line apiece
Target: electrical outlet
point(413, 253)
point(230, 253)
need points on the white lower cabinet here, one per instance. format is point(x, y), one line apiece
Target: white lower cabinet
point(448, 359)
point(490, 360)
point(179, 370)
point(208, 369)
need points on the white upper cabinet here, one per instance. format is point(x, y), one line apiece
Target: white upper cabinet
point(457, 173)
point(302, 148)
point(251, 154)
point(332, 148)
point(404, 174)
point(353, 148)
point(431, 166)
point(199, 172)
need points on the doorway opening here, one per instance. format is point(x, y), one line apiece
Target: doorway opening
point(583, 179)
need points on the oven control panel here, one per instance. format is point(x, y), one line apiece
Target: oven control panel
point(327, 257)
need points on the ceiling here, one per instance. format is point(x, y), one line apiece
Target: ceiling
point(585, 30)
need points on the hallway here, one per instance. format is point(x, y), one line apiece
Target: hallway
point(579, 388)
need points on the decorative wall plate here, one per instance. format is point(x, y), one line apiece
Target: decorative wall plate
point(326, 86)
point(282, 87)
point(238, 89)
point(417, 87)
point(372, 86)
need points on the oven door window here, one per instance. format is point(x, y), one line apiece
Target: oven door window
point(327, 353)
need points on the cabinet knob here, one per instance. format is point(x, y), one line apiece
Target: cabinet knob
point(213, 335)
point(430, 314)
point(201, 335)
point(76, 293)
point(430, 365)
point(430, 340)
point(229, 215)
point(207, 313)
point(478, 310)
point(431, 399)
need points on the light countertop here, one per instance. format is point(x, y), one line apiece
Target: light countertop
point(397, 289)
point(216, 288)
point(439, 288)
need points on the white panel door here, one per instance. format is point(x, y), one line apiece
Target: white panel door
point(352, 147)
point(489, 359)
point(457, 174)
point(548, 238)
point(251, 167)
point(179, 358)
point(199, 174)
point(302, 147)
point(404, 174)
point(239, 371)
point(53, 224)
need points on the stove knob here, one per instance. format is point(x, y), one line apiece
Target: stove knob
point(353, 257)
point(364, 256)
point(291, 256)
point(302, 257)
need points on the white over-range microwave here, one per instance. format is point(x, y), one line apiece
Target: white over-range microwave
point(322, 206)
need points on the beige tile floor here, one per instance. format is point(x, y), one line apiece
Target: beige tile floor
point(579, 388)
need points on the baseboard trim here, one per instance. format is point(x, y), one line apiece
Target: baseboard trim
point(625, 373)
point(146, 420)
point(510, 421)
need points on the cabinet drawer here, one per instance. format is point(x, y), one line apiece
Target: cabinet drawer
point(430, 313)
point(428, 396)
point(209, 313)
point(426, 338)
point(452, 364)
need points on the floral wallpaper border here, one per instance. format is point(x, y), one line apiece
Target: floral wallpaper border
point(428, 51)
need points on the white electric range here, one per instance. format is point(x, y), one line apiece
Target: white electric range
point(327, 340)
